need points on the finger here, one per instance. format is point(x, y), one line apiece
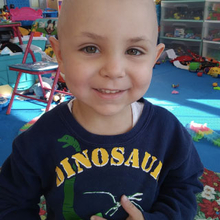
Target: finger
point(130, 208)
point(95, 217)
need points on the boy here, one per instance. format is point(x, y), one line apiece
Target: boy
point(104, 155)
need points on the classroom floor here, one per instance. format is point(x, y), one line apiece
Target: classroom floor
point(196, 101)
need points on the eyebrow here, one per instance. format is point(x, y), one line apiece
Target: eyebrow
point(137, 39)
point(99, 37)
point(93, 36)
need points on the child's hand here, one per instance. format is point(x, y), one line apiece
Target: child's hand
point(133, 212)
point(130, 208)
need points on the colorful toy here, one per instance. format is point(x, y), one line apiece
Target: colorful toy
point(191, 57)
point(25, 13)
point(199, 74)
point(209, 64)
point(196, 57)
point(29, 124)
point(194, 66)
point(199, 131)
point(175, 86)
point(214, 12)
point(183, 33)
point(49, 51)
point(182, 59)
point(5, 15)
point(213, 35)
point(197, 18)
point(175, 92)
point(215, 84)
point(59, 98)
point(214, 72)
point(214, 16)
point(177, 16)
point(195, 63)
point(3, 102)
point(169, 35)
point(216, 7)
point(183, 12)
point(24, 31)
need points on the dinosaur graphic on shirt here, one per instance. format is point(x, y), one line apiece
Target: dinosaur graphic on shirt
point(117, 204)
point(70, 141)
point(68, 203)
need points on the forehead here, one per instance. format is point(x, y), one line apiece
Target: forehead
point(102, 15)
point(102, 4)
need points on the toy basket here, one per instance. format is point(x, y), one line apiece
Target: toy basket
point(49, 12)
point(19, 3)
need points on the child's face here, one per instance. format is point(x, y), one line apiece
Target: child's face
point(107, 51)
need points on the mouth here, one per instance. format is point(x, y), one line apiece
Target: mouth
point(107, 91)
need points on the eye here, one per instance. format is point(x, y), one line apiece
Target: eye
point(134, 52)
point(90, 49)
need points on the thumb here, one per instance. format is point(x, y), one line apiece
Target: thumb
point(130, 208)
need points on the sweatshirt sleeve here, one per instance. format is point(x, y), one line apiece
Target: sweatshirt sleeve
point(20, 187)
point(177, 196)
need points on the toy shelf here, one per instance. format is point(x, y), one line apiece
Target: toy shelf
point(193, 25)
point(182, 25)
point(181, 39)
point(183, 20)
point(181, 30)
point(211, 49)
point(211, 42)
point(172, 1)
point(211, 29)
point(212, 21)
point(212, 1)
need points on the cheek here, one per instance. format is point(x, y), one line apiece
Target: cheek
point(142, 77)
point(77, 76)
point(73, 73)
point(141, 82)
point(144, 82)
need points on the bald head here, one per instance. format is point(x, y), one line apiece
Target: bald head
point(81, 11)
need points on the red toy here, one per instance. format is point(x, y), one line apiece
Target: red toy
point(192, 57)
point(199, 74)
point(205, 63)
point(182, 59)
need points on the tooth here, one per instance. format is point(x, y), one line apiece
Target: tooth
point(108, 91)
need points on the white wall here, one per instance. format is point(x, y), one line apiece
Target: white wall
point(42, 4)
point(34, 3)
point(1, 3)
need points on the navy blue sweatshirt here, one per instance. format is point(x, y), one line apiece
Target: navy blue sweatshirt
point(81, 174)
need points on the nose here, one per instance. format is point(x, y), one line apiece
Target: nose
point(112, 68)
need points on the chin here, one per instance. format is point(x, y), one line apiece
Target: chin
point(110, 110)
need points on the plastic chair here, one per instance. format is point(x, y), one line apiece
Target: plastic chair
point(47, 26)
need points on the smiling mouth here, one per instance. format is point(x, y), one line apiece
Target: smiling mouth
point(107, 91)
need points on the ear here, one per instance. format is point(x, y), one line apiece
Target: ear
point(56, 48)
point(159, 51)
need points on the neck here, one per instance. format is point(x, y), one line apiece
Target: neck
point(103, 124)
